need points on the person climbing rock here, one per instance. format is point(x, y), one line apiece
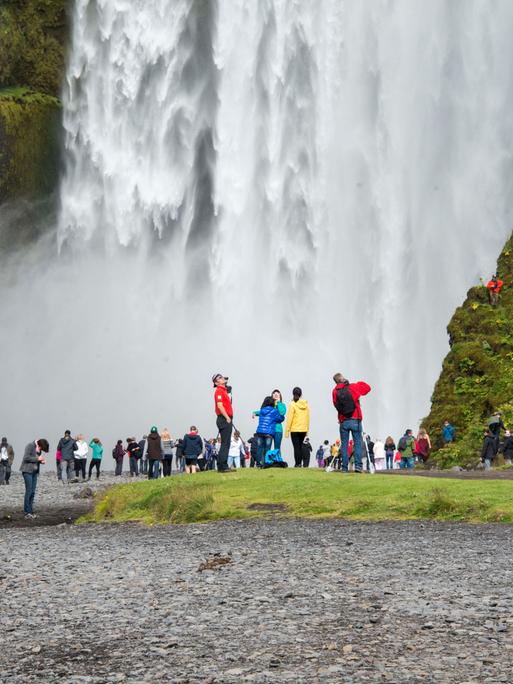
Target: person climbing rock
point(488, 450)
point(448, 433)
point(494, 288)
point(346, 399)
point(495, 425)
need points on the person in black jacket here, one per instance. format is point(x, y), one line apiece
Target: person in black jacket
point(488, 450)
point(507, 447)
point(306, 452)
point(192, 448)
point(154, 451)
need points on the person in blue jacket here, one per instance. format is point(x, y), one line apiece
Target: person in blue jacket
point(448, 433)
point(278, 402)
point(268, 418)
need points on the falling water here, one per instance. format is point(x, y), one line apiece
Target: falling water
point(277, 190)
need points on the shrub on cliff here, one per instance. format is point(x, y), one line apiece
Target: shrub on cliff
point(477, 373)
point(31, 44)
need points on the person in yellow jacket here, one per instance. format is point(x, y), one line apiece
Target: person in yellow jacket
point(298, 423)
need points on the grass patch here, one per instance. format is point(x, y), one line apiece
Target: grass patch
point(304, 493)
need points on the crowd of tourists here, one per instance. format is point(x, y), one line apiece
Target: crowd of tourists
point(157, 454)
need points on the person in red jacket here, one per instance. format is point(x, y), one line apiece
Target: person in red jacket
point(494, 288)
point(224, 420)
point(346, 399)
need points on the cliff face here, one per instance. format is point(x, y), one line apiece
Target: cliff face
point(32, 55)
point(477, 373)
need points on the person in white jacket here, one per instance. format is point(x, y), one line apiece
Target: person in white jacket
point(80, 456)
point(379, 455)
point(236, 451)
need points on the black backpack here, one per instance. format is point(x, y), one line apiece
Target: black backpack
point(345, 403)
point(403, 443)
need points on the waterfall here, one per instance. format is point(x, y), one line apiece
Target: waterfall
point(277, 190)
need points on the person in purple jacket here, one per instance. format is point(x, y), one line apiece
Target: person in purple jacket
point(268, 417)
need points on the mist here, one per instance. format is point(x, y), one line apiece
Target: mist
point(276, 191)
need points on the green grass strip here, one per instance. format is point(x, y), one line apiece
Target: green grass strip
point(306, 494)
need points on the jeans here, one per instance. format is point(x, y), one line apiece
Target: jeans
point(233, 461)
point(134, 466)
point(3, 470)
point(167, 465)
point(225, 431)
point(390, 460)
point(153, 469)
point(406, 462)
point(487, 464)
point(95, 463)
point(278, 437)
point(353, 426)
point(297, 442)
point(67, 466)
point(144, 466)
point(80, 467)
point(264, 443)
point(30, 491)
point(119, 466)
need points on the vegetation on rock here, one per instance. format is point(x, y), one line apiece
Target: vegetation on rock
point(477, 373)
point(29, 143)
point(32, 37)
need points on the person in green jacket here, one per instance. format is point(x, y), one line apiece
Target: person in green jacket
point(278, 403)
point(406, 447)
point(96, 459)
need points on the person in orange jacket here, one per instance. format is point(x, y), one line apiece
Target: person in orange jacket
point(494, 288)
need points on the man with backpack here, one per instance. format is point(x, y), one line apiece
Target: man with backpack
point(346, 399)
point(406, 447)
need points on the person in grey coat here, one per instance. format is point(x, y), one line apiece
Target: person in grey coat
point(32, 459)
point(6, 459)
point(67, 446)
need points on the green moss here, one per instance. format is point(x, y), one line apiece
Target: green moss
point(29, 143)
point(32, 40)
point(477, 373)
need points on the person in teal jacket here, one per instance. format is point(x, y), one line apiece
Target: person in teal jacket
point(96, 459)
point(278, 403)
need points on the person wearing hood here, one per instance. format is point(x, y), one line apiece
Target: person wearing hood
point(67, 447)
point(154, 451)
point(6, 459)
point(192, 448)
point(488, 450)
point(268, 417)
point(298, 424)
point(80, 457)
point(346, 399)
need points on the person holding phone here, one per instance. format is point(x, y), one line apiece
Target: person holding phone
point(32, 460)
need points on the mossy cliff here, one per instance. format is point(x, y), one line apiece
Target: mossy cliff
point(32, 55)
point(477, 373)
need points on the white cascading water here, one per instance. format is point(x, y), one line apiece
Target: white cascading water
point(277, 190)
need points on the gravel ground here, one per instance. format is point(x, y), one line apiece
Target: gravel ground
point(282, 601)
point(55, 503)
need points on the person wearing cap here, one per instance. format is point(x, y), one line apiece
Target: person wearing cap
point(224, 420)
point(154, 451)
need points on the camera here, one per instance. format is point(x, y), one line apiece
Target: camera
point(229, 389)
